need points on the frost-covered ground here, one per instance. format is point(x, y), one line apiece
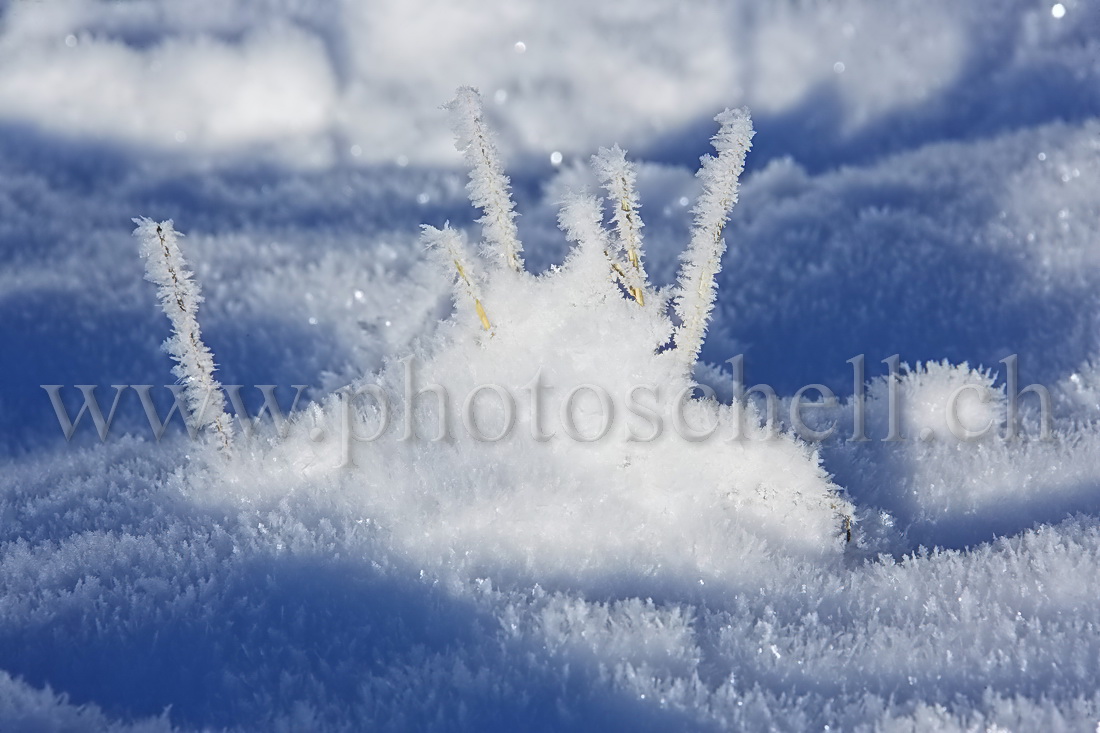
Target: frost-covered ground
point(923, 182)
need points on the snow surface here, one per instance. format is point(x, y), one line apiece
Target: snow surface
point(922, 182)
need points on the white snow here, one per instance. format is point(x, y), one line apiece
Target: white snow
point(922, 182)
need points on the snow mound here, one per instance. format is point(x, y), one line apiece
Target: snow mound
point(563, 405)
point(956, 475)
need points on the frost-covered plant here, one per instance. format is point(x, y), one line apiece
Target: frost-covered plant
point(582, 219)
point(618, 175)
point(180, 297)
point(703, 258)
point(450, 246)
point(488, 186)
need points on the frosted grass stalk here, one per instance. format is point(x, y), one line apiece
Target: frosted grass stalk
point(179, 297)
point(450, 245)
point(618, 176)
point(488, 187)
point(581, 218)
point(696, 286)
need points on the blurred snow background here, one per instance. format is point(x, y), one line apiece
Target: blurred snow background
point(923, 182)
